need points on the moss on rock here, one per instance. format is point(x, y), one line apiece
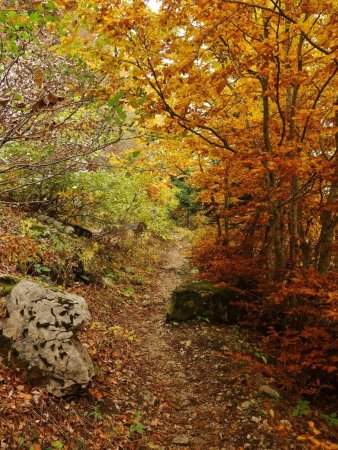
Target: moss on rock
point(203, 299)
point(7, 283)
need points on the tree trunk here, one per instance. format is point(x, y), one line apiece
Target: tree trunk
point(275, 211)
point(329, 220)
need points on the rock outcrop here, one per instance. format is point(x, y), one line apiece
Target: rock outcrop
point(63, 228)
point(203, 300)
point(38, 330)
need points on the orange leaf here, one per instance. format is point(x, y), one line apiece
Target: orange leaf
point(97, 394)
point(38, 78)
point(24, 395)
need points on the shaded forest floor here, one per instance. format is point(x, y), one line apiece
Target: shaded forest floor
point(158, 385)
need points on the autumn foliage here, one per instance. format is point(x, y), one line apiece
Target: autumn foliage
point(295, 320)
point(248, 91)
point(241, 96)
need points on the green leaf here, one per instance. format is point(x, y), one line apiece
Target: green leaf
point(115, 100)
point(50, 6)
point(137, 428)
point(302, 408)
point(13, 47)
point(129, 292)
point(85, 278)
point(11, 14)
point(34, 17)
point(331, 420)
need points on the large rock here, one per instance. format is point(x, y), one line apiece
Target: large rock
point(38, 330)
point(203, 300)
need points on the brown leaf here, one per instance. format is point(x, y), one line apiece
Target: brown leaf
point(4, 101)
point(53, 99)
point(38, 78)
point(39, 104)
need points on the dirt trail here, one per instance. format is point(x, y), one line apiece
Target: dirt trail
point(191, 387)
point(158, 385)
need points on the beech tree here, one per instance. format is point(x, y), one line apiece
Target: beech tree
point(250, 89)
point(243, 94)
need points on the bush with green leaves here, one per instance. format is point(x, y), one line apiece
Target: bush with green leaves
point(110, 201)
point(57, 115)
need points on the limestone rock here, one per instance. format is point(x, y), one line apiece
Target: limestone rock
point(286, 423)
point(247, 404)
point(181, 440)
point(186, 402)
point(56, 224)
point(267, 390)
point(39, 331)
point(63, 228)
point(256, 419)
point(69, 230)
point(150, 398)
point(203, 299)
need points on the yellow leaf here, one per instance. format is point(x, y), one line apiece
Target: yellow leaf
point(313, 428)
point(25, 396)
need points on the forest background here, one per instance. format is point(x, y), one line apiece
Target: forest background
point(219, 115)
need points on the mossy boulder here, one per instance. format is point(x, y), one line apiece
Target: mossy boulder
point(204, 300)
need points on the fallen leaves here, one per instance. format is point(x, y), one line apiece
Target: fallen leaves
point(179, 395)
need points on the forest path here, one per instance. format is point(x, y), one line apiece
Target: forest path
point(190, 387)
point(158, 385)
